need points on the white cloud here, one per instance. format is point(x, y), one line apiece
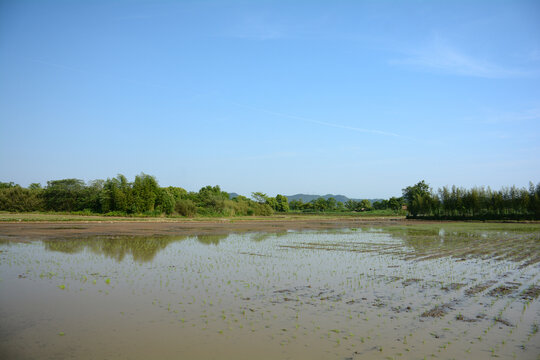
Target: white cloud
point(512, 117)
point(441, 57)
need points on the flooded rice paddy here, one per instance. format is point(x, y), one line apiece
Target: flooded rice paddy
point(444, 291)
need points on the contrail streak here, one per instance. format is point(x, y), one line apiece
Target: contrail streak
point(324, 123)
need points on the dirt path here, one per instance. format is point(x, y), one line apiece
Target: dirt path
point(48, 230)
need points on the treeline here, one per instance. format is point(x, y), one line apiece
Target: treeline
point(479, 203)
point(331, 205)
point(118, 196)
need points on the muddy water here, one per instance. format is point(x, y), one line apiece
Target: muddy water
point(449, 292)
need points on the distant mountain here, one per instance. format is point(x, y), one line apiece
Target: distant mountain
point(233, 195)
point(308, 198)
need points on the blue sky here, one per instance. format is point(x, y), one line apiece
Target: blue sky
point(360, 98)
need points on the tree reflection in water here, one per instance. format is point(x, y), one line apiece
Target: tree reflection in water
point(141, 248)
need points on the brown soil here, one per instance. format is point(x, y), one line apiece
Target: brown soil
point(463, 318)
point(479, 288)
point(503, 290)
point(502, 321)
point(437, 311)
point(531, 293)
point(74, 229)
point(453, 286)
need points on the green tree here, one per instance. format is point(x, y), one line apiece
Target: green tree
point(296, 204)
point(64, 195)
point(7, 185)
point(272, 202)
point(330, 204)
point(365, 205)
point(213, 198)
point(351, 205)
point(19, 199)
point(395, 203)
point(177, 192)
point(259, 197)
point(117, 195)
point(282, 203)
point(35, 186)
point(185, 207)
point(418, 198)
point(145, 193)
point(166, 201)
point(92, 196)
point(380, 205)
point(319, 204)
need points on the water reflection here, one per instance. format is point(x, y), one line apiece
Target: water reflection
point(141, 248)
point(211, 239)
point(427, 242)
point(259, 237)
point(463, 243)
point(340, 294)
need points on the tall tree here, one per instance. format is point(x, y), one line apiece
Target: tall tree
point(282, 203)
point(64, 195)
point(145, 193)
point(418, 198)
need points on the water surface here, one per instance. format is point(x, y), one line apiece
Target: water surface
point(431, 291)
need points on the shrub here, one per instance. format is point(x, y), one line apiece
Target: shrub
point(185, 207)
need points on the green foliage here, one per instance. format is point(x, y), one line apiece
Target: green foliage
point(5, 185)
point(262, 209)
point(395, 203)
point(212, 198)
point(35, 186)
point(19, 199)
point(185, 207)
point(319, 204)
point(296, 204)
point(144, 197)
point(145, 193)
point(92, 196)
point(418, 198)
point(177, 192)
point(116, 195)
point(64, 195)
point(475, 203)
point(380, 205)
point(259, 197)
point(351, 205)
point(272, 202)
point(282, 203)
point(330, 204)
point(365, 205)
point(166, 201)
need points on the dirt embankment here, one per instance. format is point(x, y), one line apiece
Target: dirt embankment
point(73, 229)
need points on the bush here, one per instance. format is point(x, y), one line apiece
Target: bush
point(17, 199)
point(185, 207)
point(262, 209)
point(166, 202)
